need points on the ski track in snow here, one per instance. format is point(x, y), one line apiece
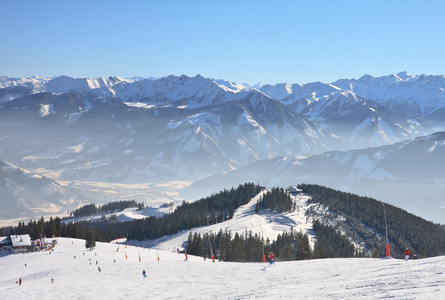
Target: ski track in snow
point(171, 277)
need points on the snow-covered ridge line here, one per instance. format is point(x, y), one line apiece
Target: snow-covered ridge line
point(278, 91)
point(424, 94)
point(126, 89)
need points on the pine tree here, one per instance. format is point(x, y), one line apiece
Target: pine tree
point(318, 252)
point(90, 241)
point(238, 249)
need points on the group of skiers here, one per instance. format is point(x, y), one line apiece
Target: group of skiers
point(271, 262)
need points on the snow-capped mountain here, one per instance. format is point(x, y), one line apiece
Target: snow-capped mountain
point(197, 90)
point(360, 121)
point(137, 130)
point(413, 99)
point(416, 96)
point(179, 127)
point(420, 96)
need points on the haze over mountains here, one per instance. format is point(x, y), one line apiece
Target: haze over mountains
point(58, 133)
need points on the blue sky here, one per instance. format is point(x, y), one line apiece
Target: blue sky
point(241, 41)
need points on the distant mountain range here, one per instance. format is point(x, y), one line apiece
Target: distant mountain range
point(409, 174)
point(138, 130)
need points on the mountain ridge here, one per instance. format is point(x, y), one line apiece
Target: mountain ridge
point(132, 131)
point(408, 174)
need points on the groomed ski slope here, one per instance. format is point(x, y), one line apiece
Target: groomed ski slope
point(171, 277)
point(265, 224)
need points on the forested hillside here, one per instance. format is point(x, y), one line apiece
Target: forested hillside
point(364, 222)
point(92, 209)
point(346, 225)
point(213, 209)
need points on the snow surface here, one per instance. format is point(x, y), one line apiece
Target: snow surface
point(172, 277)
point(75, 270)
point(139, 104)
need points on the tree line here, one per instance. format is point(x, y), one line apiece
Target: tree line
point(54, 228)
point(91, 209)
point(290, 245)
point(214, 209)
point(276, 200)
point(362, 216)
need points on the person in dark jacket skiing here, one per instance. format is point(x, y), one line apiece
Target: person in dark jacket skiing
point(144, 273)
point(407, 253)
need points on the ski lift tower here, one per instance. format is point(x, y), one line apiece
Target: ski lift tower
point(262, 242)
point(210, 244)
point(388, 252)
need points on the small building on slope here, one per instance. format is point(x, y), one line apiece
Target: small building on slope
point(295, 191)
point(16, 243)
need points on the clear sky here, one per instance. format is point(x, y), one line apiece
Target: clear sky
point(242, 41)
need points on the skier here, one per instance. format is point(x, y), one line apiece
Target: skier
point(271, 259)
point(144, 273)
point(407, 253)
point(20, 281)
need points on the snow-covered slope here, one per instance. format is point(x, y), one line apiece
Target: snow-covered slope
point(114, 270)
point(267, 225)
point(75, 275)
